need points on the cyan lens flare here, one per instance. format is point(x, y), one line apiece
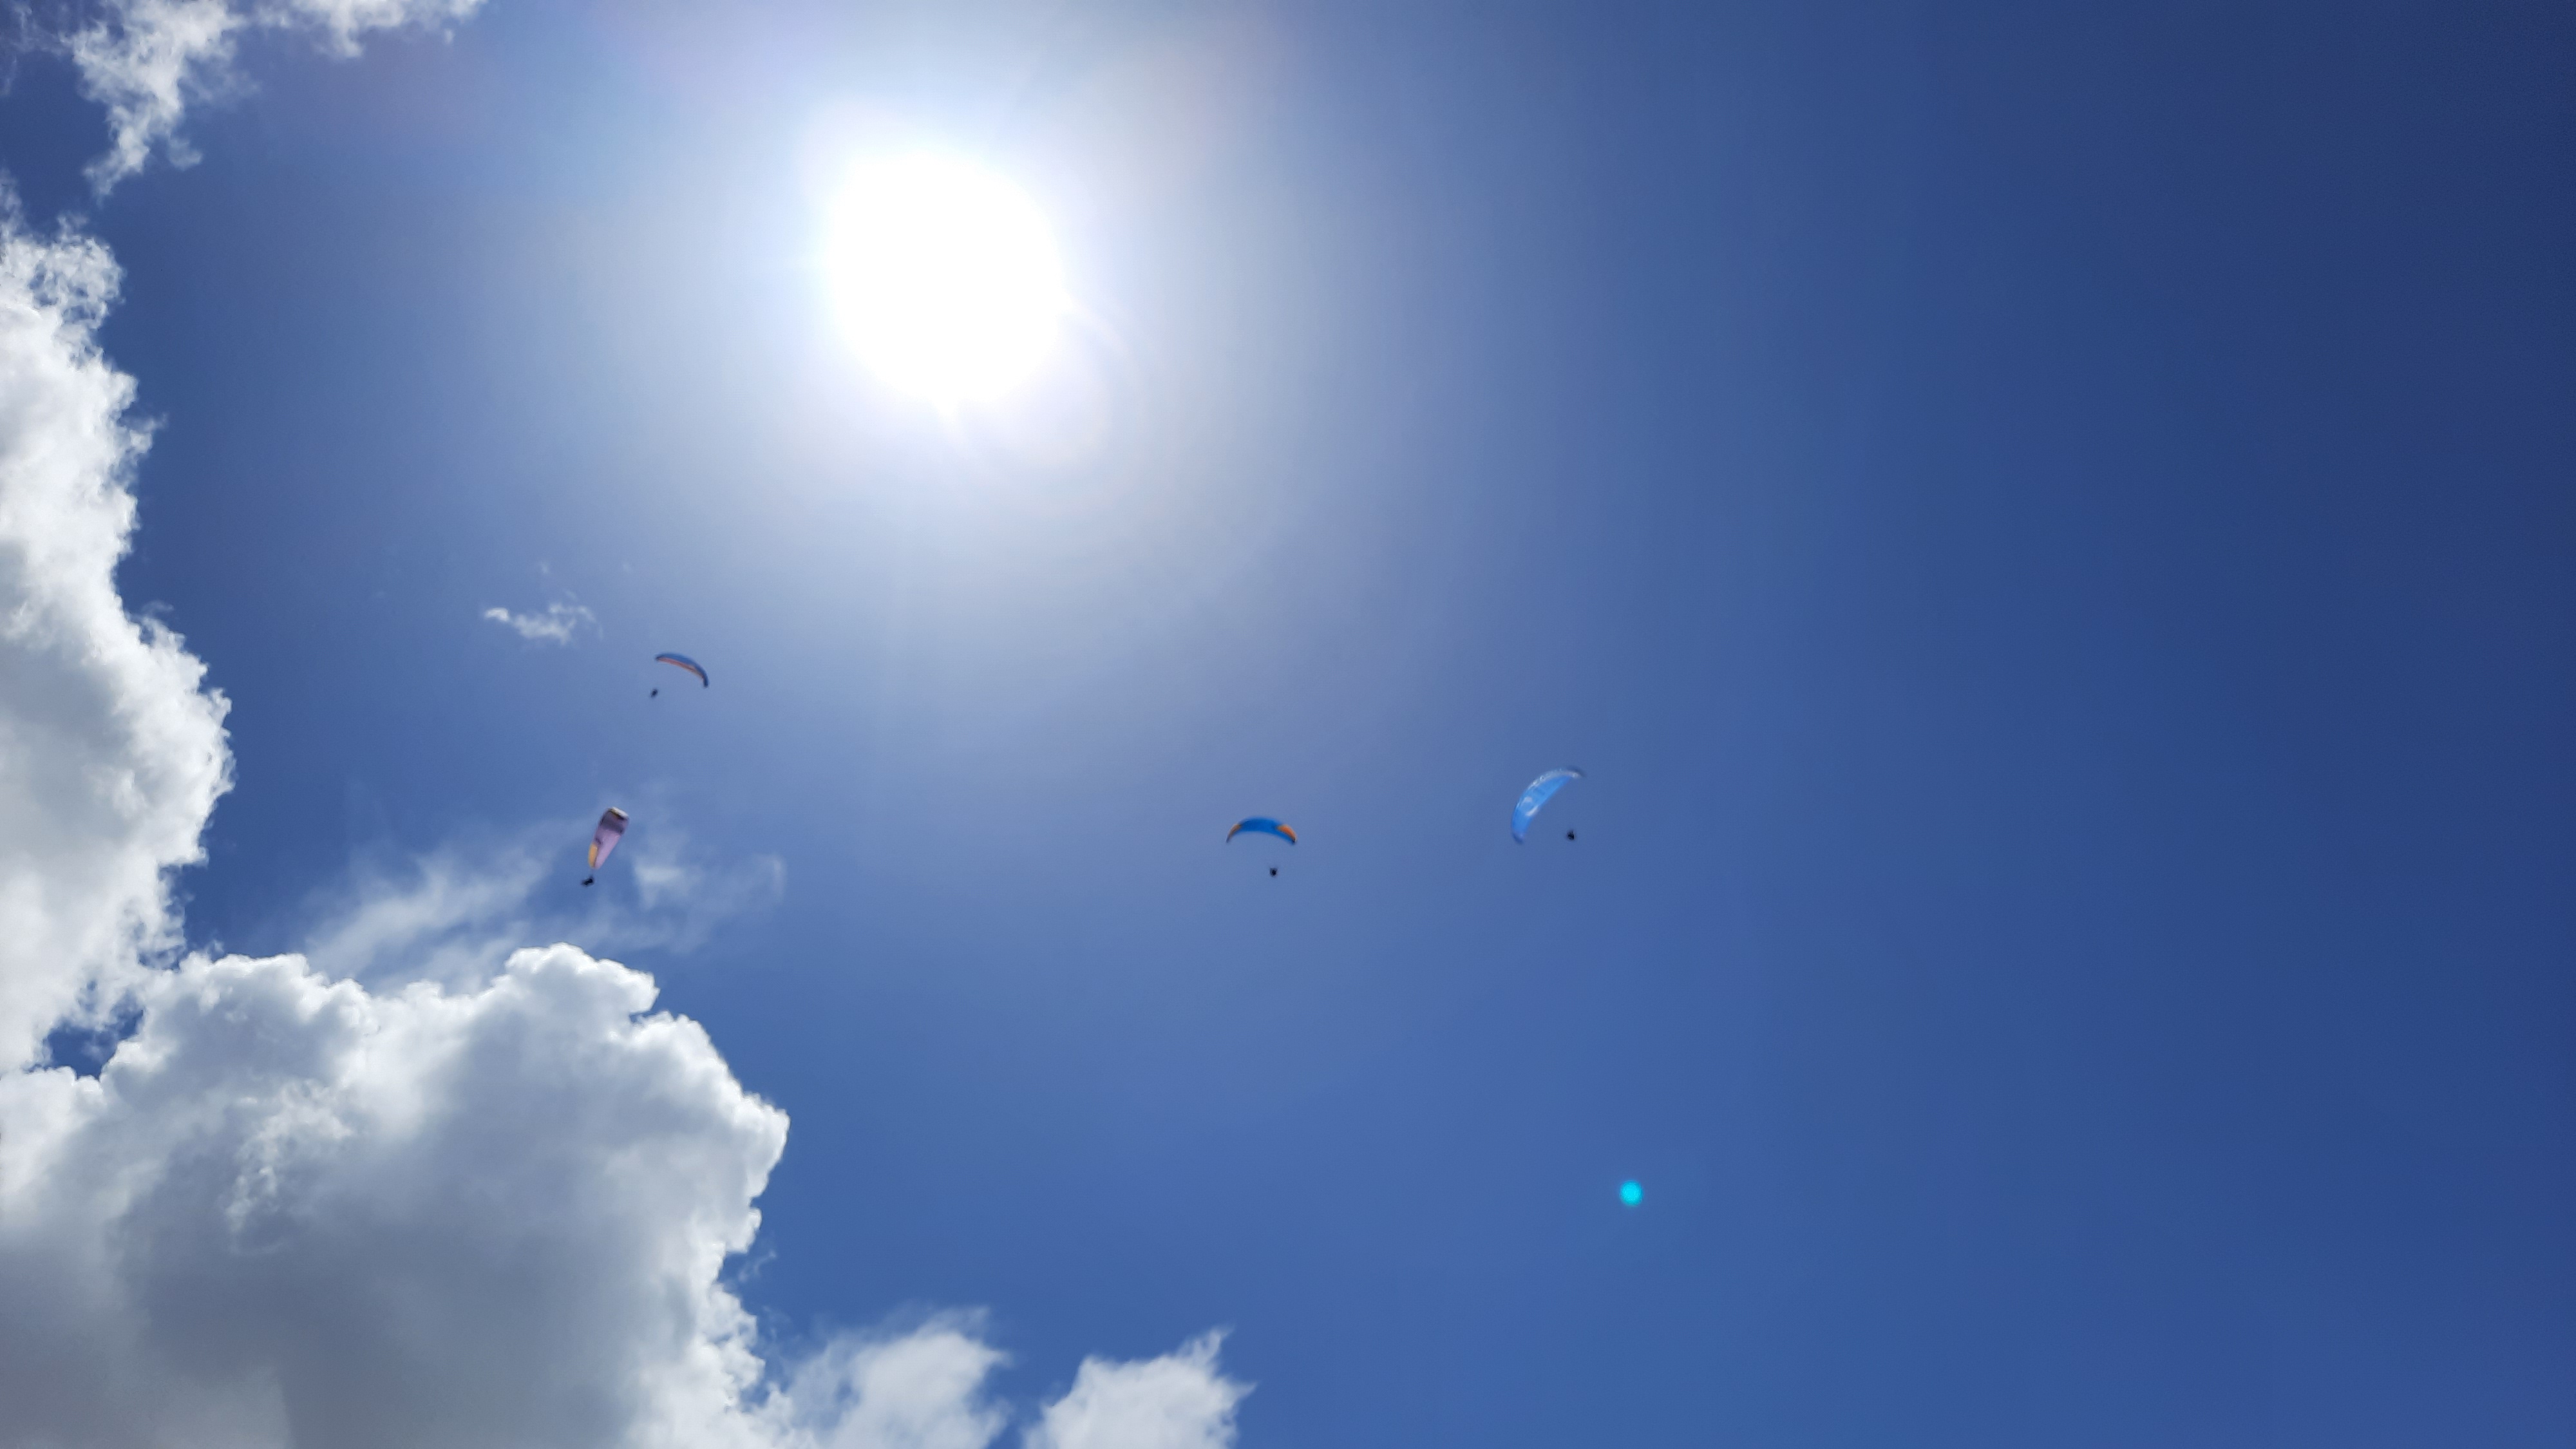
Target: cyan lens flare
point(1631, 1194)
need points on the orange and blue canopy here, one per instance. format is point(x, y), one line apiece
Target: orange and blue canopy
point(1263, 825)
point(683, 661)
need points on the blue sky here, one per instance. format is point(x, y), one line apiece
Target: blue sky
point(2049, 532)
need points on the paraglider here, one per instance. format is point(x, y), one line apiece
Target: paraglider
point(1263, 825)
point(681, 661)
point(1538, 794)
point(612, 828)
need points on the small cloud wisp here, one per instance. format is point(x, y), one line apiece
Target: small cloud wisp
point(560, 622)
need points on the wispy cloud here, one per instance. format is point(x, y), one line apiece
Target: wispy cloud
point(148, 61)
point(557, 625)
point(454, 914)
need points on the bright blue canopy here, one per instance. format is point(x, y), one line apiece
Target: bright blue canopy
point(1536, 795)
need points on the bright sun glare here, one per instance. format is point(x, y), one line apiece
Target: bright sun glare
point(943, 275)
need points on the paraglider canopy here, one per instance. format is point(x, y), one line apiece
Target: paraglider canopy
point(1537, 795)
point(1263, 825)
point(683, 661)
point(612, 828)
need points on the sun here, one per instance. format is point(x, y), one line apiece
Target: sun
point(943, 276)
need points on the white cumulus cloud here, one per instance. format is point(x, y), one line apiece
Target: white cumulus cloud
point(919, 1390)
point(111, 755)
point(557, 625)
point(1178, 1401)
point(417, 1192)
point(291, 1211)
point(294, 1211)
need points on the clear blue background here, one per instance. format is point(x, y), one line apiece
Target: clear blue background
point(2050, 528)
